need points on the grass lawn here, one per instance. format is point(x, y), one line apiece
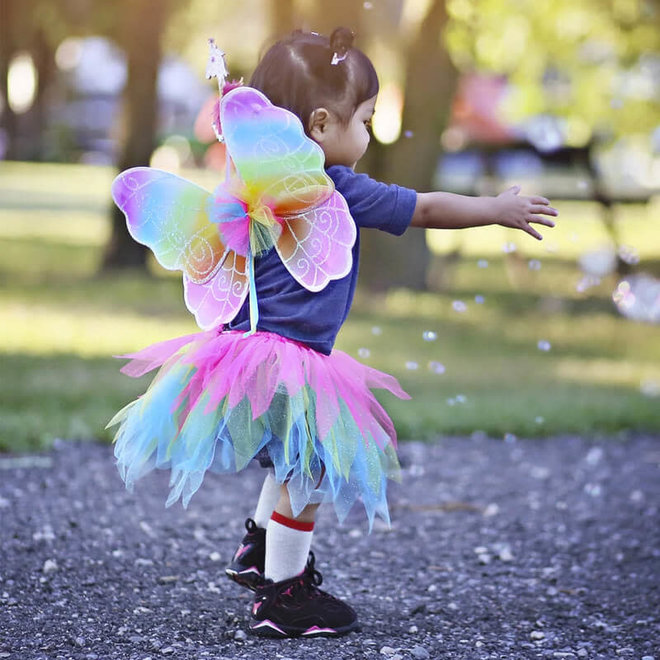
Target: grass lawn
point(60, 322)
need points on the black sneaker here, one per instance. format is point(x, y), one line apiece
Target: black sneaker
point(247, 565)
point(298, 608)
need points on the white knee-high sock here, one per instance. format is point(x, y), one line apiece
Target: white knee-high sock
point(287, 545)
point(268, 498)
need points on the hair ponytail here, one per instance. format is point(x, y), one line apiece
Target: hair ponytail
point(341, 41)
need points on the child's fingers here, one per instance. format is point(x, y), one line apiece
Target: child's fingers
point(532, 232)
point(547, 210)
point(539, 200)
point(540, 220)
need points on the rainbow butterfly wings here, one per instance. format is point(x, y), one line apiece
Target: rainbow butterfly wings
point(276, 194)
point(170, 215)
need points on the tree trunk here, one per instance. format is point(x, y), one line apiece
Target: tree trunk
point(43, 56)
point(606, 206)
point(431, 79)
point(8, 120)
point(282, 17)
point(145, 20)
point(340, 13)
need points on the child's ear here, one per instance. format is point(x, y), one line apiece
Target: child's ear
point(318, 124)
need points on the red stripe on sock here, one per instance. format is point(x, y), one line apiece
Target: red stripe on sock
point(293, 524)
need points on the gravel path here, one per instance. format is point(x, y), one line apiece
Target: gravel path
point(519, 549)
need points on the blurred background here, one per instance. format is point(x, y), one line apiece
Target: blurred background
point(492, 332)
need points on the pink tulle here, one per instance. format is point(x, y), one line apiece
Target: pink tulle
point(229, 364)
point(153, 356)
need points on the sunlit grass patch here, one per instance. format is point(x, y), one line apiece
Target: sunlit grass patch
point(37, 330)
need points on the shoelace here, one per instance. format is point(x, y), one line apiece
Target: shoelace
point(308, 582)
point(311, 574)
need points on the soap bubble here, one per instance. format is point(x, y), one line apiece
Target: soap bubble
point(482, 263)
point(539, 420)
point(368, 5)
point(451, 402)
point(650, 388)
point(628, 255)
point(459, 306)
point(509, 247)
point(411, 365)
point(436, 367)
point(376, 330)
point(364, 352)
point(534, 264)
point(543, 345)
point(429, 335)
point(623, 296)
point(638, 298)
point(586, 283)
point(461, 398)
point(510, 438)
point(598, 263)
point(408, 134)
point(480, 300)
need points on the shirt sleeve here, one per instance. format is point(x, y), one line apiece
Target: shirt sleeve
point(373, 204)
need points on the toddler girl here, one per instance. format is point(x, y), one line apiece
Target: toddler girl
point(274, 389)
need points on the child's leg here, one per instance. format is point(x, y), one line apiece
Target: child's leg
point(288, 539)
point(247, 565)
point(289, 603)
point(268, 499)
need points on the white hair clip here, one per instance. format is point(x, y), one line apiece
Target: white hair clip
point(337, 58)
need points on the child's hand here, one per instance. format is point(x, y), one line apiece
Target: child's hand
point(518, 212)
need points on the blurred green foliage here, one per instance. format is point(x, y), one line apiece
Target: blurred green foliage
point(592, 62)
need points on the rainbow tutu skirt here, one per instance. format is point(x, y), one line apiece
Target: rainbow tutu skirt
point(221, 399)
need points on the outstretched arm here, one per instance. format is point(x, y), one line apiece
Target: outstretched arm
point(442, 210)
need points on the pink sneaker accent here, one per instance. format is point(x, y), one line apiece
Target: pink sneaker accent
point(266, 623)
point(315, 630)
point(241, 551)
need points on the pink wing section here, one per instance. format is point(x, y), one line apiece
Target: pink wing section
point(217, 301)
point(316, 246)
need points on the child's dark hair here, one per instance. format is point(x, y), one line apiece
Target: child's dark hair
point(305, 71)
